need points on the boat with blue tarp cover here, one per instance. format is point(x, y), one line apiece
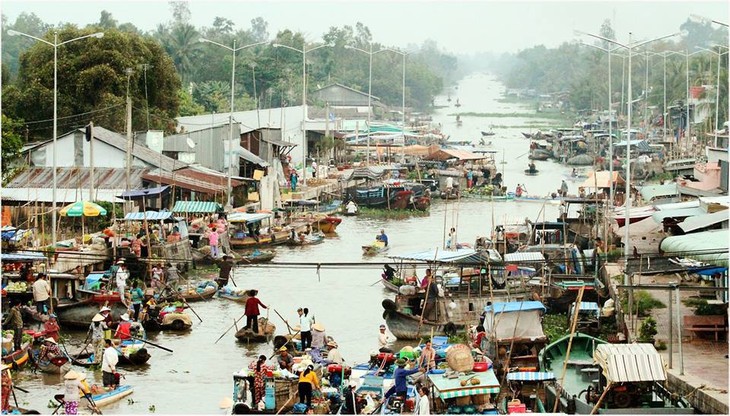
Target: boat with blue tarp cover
point(104, 398)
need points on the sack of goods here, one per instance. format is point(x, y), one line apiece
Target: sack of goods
point(459, 358)
point(407, 290)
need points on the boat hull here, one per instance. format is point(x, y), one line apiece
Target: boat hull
point(108, 397)
point(78, 315)
point(60, 366)
point(18, 358)
point(266, 332)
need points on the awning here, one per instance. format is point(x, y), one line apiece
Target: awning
point(708, 246)
point(602, 180)
point(626, 363)
point(149, 216)
point(589, 306)
point(279, 143)
point(641, 145)
point(515, 306)
point(459, 256)
point(699, 222)
point(530, 376)
point(247, 217)
point(22, 256)
point(524, 257)
point(138, 194)
point(675, 213)
point(196, 206)
point(449, 388)
point(247, 155)
point(656, 191)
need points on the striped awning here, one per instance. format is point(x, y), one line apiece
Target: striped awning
point(524, 257)
point(149, 216)
point(530, 376)
point(449, 388)
point(630, 362)
point(196, 206)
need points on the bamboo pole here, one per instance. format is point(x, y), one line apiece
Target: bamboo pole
point(600, 399)
point(578, 300)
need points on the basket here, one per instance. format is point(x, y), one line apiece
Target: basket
point(459, 358)
point(463, 401)
point(480, 399)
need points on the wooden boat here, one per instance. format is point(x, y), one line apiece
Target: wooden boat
point(374, 248)
point(195, 293)
point(255, 256)
point(307, 240)
point(103, 397)
point(79, 314)
point(56, 365)
point(527, 135)
point(131, 353)
point(530, 172)
point(329, 224)
point(390, 286)
point(167, 318)
point(403, 195)
point(636, 373)
point(487, 133)
point(539, 154)
point(266, 332)
point(240, 237)
point(238, 295)
point(18, 358)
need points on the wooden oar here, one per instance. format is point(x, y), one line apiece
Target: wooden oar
point(20, 388)
point(151, 343)
point(185, 302)
point(285, 321)
point(229, 328)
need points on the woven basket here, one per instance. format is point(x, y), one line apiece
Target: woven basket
point(459, 358)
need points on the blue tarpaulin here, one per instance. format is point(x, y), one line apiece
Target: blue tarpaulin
point(515, 306)
point(22, 256)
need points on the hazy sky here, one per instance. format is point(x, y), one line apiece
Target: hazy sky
point(457, 26)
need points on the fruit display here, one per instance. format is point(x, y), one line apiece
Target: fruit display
point(17, 287)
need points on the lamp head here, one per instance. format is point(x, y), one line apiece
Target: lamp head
point(11, 32)
point(98, 35)
point(346, 46)
point(276, 45)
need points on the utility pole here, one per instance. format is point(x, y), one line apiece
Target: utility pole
point(90, 139)
point(129, 72)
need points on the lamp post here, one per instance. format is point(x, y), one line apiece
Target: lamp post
point(304, 52)
point(233, 49)
point(403, 128)
point(610, 116)
point(55, 44)
point(370, 86)
point(630, 46)
point(704, 19)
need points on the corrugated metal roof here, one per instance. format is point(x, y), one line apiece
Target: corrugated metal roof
point(247, 217)
point(676, 213)
point(462, 255)
point(630, 362)
point(708, 246)
point(654, 191)
point(23, 256)
point(104, 178)
point(702, 221)
point(149, 216)
point(196, 206)
point(524, 257)
point(139, 151)
point(184, 180)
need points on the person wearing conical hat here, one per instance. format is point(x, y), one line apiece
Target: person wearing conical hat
point(319, 338)
point(96, 330)
point(106, 312)
point(73, 387)
point(333, 354)
point(49, 350)
point(51, 328)
point(400, 388)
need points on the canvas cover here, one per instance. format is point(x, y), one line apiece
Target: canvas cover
point(518, 324)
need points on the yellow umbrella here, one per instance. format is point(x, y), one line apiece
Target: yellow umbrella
point(82, 209)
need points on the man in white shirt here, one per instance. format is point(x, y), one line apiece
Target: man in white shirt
point(305, 323)
point(333, 354)
point(122, 275)
point(42, 294)
point(424, 407)
point(314, 169)
point(383, 339)
point(109, 364)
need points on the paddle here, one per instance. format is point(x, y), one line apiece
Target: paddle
point(185, 302)
point(59, 399)
point(151, 343)
point(285, 321)
point(376, 282)
point(229, 328)
point(21, 389)
point(92, 404)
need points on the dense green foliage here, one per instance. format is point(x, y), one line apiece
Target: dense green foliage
point(643, 302)
point(12, 141)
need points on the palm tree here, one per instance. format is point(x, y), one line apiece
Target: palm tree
point(183, 46)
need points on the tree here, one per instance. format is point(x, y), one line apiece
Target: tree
point(106, 21)
point(259, 29)
point(13, 46)
point(12, 140)
point(180, 12)
point(92, 83)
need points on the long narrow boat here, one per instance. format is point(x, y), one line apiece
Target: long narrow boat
point(329, 224)
point(266, 332)
point(18, 358)
point(255, 256)
point(106, 398)
point(633, 374)
point(374, 248)
point(131, 353)
point(237, 295)
point(56, 365)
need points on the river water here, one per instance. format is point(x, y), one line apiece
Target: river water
point(198, 374)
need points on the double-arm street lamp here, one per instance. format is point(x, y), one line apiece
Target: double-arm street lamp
point(370, 53)
point(719, 54)
point(630, 46)
point(703, 19)
point(233, 49)
point(304, 51)
point(55, 44)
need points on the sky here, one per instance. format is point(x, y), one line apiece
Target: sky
point(457, 26)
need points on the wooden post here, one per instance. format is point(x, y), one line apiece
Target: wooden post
point(600, 399)
point(578, 300)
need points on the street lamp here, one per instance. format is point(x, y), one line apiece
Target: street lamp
point(304, 52)
point(702, 19)
point(610, 116)
point(370, 86)
point(233, 49)
point(630, 47)
point(55, 44)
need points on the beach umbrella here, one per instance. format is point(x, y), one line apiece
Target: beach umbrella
point(82, 209)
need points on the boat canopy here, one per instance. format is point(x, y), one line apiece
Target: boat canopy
point(514, 320)
point(446, 154)
point(708, 246)
point(641, 145)
point(524, 257)
point(248, 217)
point(623, 363)
point(149, 193)
point(602, 179)
point(703, 221)
point(449, 388)
point(149, 216)
point(196, 207)
point(22, 256)
point(651, 192)
point(458, 256)
point(676, 213)
point(531, 376)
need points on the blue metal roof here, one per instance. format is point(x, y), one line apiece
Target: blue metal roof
point(144, 193)
point(22, 256)
point(515, 306)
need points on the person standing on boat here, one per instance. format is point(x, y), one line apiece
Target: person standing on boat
point(51, 328)
point(7, 387)
point(137, 295)
point(424, 407)
point(382, 237)
point(14, 321)
point(42, 294)
point(432, 293)
point(319, 338)
point(73, 387)
point(293, 179)
point(96, 331)
point(121, 279)
point(109, 365)
point(307, 383)
point(225, 271)
point(305, 323)
point(260, 370)
point(213, 242)
point(351, 406)
point(252, 311)
point(173, 274)
point(106, 313)
point(564, 188)
point(383, 340)
point(427, 359)
point(314, 169)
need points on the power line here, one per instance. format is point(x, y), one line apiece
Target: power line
point(75, 115)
